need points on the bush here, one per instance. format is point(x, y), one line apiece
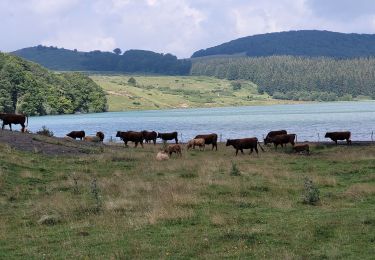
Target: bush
point(132, 81)
point(236, 85)
point(311, 192)
point(45, 131)
point(234, 170)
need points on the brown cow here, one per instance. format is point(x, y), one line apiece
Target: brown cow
point(93, 139)
point(173, 148)
point(149, 136)
point(209, 139)
point(301, 148)
point(77, 134)
point(283, 139)
point(16, 119)
point(244, 143)
point(339, 136)
point(272, 134)
point(100, 135)
point(196, 142)
point(131, 136)
point(168, 136)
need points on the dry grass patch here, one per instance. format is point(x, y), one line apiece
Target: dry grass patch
point(323, 181)
point(360, 190)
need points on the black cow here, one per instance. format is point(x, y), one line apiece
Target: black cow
point(16, 119)
point(149, 136)
point(339, 136)
point(209, 139)
point(132, 136)
point(77, 134)
point(244, 143)
point(168, 136)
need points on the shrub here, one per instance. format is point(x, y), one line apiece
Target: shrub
point(132, 81)
point(234, 170)
point(45, 131)
point(311, 192)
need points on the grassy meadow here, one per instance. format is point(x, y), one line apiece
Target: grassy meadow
point(118, 202)
point(161, 92)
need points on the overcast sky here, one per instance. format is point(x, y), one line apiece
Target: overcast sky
point(179, 27)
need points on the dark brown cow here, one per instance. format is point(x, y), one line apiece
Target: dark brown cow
point(283, 139)
point(272, 134)
point(149, 136)
point(77, 134)
point(17, 119)
point(301, 148)
point(131, 136)
point(100, 135)
point(168, 136)
point(244, 143)
point(339, 136)
point(209, 139)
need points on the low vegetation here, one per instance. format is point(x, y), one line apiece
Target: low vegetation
point(160, 92)
point(121, 203)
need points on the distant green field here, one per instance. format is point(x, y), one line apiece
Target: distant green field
point(160, 92)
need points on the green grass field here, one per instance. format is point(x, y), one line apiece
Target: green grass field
point(121, 203)
point(160, 92)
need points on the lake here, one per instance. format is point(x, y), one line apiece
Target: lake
point(308, 121)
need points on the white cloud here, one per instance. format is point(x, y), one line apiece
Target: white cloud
point(179, 27)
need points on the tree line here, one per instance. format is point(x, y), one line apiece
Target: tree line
point(299, 78)
point(28, 88)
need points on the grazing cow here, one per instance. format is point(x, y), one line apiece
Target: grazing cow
point(162, 156)
point(244, 143)
point(196, 142)
point(301, 148)
point(16, 119)
point(209, 139)
point(272, 134)
point(100, 135)
point(168, 136)
point(77, 134)
point(93, 139)
point(131, 136)
point(283, 139)
point(149, 136)
point(173, 148)
point(339, 136)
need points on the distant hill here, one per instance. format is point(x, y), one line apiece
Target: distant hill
point(31, 89)
point(132, 61)
point(309, 43)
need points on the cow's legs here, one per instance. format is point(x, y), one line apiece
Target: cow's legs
point(236, 152)
point(135, 144)
point(256, 149)
point(3, 126)
point(176, 140)
point(154, 141)
point(141, 144)
point(251, 151)
point(10, 127)
point(23, 128)
point(242, 151)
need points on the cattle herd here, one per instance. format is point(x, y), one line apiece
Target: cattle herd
point(280, 137)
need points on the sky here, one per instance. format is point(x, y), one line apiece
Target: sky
point(179, 27)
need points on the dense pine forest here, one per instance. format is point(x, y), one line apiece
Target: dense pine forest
point(28, 88)
point(297, 78)
point(132, 61)
point(308, 43)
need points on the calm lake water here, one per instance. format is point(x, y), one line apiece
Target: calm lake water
point(306, 120)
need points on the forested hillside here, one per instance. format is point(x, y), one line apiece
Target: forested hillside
point(131, 61)
point(298, 78)
point(310, 43)
point(31, 89)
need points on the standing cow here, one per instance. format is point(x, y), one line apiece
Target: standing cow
point(168, 136)
point(149, 136)
point(136, 137)
point(283, 139)
point(339, 136)
point(17, 119)
point(77, 134)
point(209, 139)
point(272, 134)
point(244, 143)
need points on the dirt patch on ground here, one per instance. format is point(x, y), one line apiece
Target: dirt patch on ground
point(47, 145)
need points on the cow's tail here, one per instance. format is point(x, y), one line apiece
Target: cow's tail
point(260, 146)
point(27, 121)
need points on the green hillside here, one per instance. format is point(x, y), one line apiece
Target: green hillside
point(28, 88)
point(309, 43)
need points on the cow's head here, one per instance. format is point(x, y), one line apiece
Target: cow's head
point(159, 135)
point(328, 135)
point(118, 134)
point(229, 142)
